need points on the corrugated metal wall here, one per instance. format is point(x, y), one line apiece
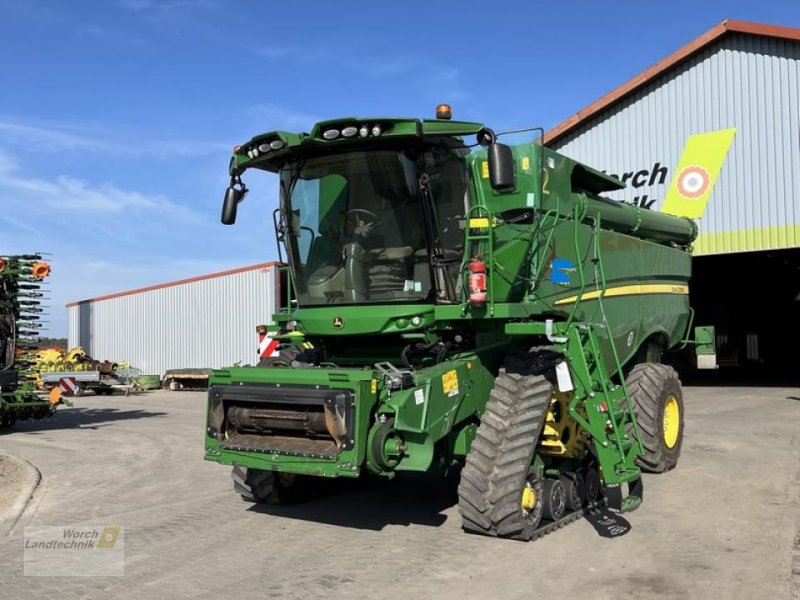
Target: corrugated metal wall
point(748, 82)
point(208, 323)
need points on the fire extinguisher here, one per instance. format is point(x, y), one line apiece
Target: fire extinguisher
point(477, 282)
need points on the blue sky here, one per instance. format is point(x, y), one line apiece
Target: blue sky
point(117, 118)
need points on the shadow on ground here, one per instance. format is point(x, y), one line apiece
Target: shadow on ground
point(82, 418)
point(373, 503)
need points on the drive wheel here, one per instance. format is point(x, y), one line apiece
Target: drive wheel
point(268, 487)
point(658, 401)
point(496, 494)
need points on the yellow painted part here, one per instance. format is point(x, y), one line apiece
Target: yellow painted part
point(560, 432)
point(76, 354)
point(479, 223)
point(631, 290)
point(485, 170)
point(48, 355)
point(704, 153)
point(528, 501)
point(746, 240)
point(672, 421)
point(373, 386)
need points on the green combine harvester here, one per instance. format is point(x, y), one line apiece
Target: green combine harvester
point(21, 312)
point(457, 301)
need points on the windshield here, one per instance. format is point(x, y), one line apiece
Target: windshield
point(358, 228)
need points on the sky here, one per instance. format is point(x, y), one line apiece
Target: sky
point(117, 117)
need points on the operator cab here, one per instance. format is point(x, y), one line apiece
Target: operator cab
point(376, 226)
point(372, 210)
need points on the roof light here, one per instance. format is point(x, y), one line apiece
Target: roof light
point(364, 131)
point(250, 153)
point(331, 134)
point(255, 152)
point(443, 111)
point(349, 131)
point(263, 148)
point(376, 130)
point(276, 144)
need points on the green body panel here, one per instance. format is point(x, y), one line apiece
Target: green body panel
point(591, 278)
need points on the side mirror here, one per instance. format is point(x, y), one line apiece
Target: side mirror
point(501, 167)
point(233, 196)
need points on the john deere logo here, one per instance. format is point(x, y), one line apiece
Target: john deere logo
point(338, 322)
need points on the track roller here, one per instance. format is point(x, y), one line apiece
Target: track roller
point(573, 491)
point(554, 501)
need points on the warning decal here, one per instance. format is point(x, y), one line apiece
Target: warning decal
point(450, 383)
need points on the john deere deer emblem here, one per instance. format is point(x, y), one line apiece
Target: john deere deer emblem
point(338, 322)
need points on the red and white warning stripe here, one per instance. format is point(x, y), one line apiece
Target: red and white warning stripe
point(68, 385)
point(267, 346)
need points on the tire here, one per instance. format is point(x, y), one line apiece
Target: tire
point(79, 390)
point(265, 487)
point(655, 390)
point(175, 385)
point(498, 465)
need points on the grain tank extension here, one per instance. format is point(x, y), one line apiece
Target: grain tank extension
point(455, 300)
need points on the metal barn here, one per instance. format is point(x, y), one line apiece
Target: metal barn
point(738, 83)
point(202, 322)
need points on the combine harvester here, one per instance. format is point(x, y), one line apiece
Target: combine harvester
point(458, 303)
point(21, 312)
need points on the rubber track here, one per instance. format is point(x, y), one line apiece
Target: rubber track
point(501, 454)
point(544, 529)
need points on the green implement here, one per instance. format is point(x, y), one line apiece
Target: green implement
point(22, 289)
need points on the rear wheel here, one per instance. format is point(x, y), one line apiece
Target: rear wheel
point(498, 494)
point(658, 401)
point(268, 487)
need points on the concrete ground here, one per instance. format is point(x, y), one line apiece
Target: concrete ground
point(722, 525)
point(13, 482)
